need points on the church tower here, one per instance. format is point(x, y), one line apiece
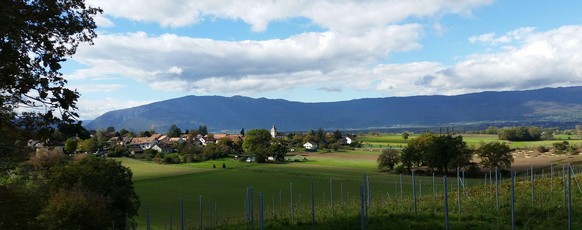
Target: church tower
point(273, 132)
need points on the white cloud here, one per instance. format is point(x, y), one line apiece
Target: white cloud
point(540, 59)
point(346, 16)
point(103, 21)
point(171, 60)
point(90, 109)
point(92, 88)
point(359, 35)
point(511, 36)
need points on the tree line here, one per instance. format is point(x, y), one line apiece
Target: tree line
point(441, 153)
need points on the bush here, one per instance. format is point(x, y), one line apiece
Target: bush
point(542, 149)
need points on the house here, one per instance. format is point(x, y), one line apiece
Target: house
point(145, 142)
point(310, 146)
point(348, 140)
point(163, 148)
point(231, 137)
point(204, 140)
point(177, 140)
point(163, 138)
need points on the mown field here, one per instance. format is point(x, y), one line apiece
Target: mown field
point(396, 140)
point(223, 194)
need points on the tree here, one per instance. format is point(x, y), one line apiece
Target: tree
point(71, 145)
point(436, 151)
point(337, 135)
point(388, 159)
point(174, 131)
point(88, 146)
point(202, 130)
point(405, 135)
point(39, 37)
point(35, 37)
point(257, 141)
point(74, 210)
point(98, 180)
point(495, 154)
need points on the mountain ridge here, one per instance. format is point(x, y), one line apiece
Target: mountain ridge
point(234, 113)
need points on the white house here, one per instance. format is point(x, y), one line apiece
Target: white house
point(348, 140)
point(162, 148)
point(310, 146)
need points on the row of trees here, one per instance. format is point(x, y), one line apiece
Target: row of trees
point(443, 152)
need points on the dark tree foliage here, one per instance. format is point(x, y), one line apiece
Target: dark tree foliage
point(174, 131)
point(520, 133)
point(258, 141)
point(203, 130)
point(388, 159)
point(98, 180)
point(495, 154)
point(36, 36)
point(442, 152)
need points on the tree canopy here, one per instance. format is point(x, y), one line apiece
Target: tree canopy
point(440, 152)
point(37, 39)
point(91, 181)
point(257, 141)
point(495, 154)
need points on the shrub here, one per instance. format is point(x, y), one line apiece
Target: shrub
point(542, 149)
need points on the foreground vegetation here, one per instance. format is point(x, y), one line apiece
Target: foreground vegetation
point(224, 192)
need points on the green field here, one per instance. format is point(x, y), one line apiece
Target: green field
point(223, 195)
point(160, 186)
point(396, 141)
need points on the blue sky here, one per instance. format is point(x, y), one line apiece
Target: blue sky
point(313, 51)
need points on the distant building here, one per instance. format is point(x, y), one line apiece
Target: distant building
point(310, 146)
point(276, 134)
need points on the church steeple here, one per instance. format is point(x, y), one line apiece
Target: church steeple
point(273, 131)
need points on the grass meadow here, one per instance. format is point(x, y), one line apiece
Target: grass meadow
point(223, 192)
point(396, 140)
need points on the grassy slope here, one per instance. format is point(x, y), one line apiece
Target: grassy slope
point(395, 140)
point(159, 187)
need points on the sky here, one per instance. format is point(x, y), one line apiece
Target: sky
point(322, 51)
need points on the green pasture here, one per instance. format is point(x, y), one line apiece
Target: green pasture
point(396, 141)
point(223, 189)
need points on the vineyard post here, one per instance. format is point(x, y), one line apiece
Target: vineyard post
point(148, 227)
point(401, 186)
point(362, 204)
point(496, 188)
point(292, 207)
point(458, 194)
point(170, 212)
point(342, 193)
point(312, 205)
point(532, 186)
point(181, 213)
point(513, 200)
point(331, 194)
point(414, 192)
point(433, 187)
point(552, 176)
point(261, 211)
point(201, 209)
point(569, 198)
point(446, 203)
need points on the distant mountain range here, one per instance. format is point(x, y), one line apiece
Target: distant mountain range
point(234, 113)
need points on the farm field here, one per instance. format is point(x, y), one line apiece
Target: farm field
point(396, 140)
point(223, 189)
